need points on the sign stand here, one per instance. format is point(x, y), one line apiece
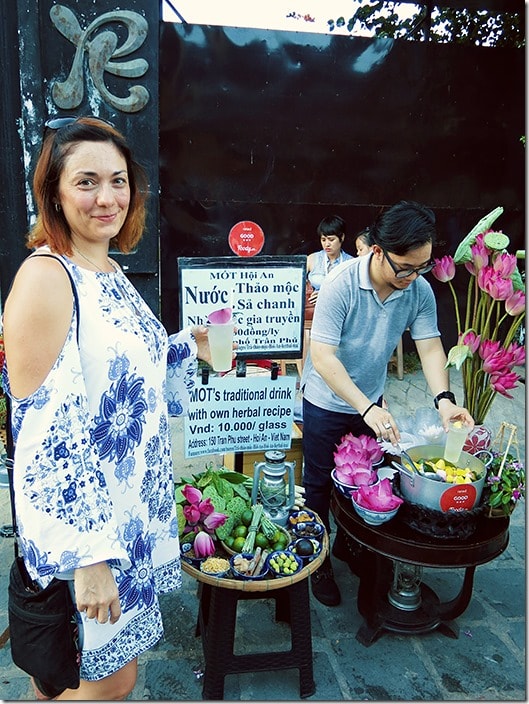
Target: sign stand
point(240, 372)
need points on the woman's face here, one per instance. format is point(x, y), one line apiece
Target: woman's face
point(361, 247)
point(332, 244)
point(94, 191)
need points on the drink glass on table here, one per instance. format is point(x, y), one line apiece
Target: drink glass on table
point(220, 335)
point(457, 434)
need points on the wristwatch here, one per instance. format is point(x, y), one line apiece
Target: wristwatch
point(444, 394)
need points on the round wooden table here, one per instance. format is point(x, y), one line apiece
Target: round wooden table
point(394, 542)
point(217, 615)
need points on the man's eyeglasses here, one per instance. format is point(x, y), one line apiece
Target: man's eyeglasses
point(404, 273)
point(55, 123)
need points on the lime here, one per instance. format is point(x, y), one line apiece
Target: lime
point(238, 544)
point(246, 517)
point(278, 546)
point(240, 532)
point(229, 541)
point(261, 541)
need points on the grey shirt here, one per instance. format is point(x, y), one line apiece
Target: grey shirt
point(350, 316)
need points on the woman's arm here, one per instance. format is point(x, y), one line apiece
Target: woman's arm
point(37, 317)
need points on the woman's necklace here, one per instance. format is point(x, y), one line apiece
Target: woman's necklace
point(76, 249)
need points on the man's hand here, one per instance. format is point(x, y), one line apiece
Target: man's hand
point(449, 411)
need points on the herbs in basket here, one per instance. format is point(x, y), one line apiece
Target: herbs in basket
point(208, 505)
point(505, 483)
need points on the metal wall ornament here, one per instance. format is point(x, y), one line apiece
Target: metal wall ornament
point(102, 50)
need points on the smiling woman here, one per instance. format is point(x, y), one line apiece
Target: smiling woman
point(93, 473)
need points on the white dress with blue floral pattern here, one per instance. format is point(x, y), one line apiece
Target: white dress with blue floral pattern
point(93, 472)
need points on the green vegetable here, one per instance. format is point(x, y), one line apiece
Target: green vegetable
point(210, 492)
point(223, 531)
point(268, 528)
point(252, 529)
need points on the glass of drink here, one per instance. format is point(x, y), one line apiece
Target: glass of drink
point(457, 434)
point(220, 336)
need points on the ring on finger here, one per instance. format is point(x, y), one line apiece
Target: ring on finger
point(387, 426)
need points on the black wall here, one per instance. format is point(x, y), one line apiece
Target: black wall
point(284, 128)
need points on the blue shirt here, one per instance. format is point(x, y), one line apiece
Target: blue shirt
point(365, 330)
point(323, 265)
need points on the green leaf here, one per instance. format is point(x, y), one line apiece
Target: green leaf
point(457, 355)
point(226, 528)
point(463, 253)
point(181, 519)
point(210, 492)
point(233, 477)
point(517, 281)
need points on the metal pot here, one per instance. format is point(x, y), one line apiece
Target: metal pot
point(437, 495)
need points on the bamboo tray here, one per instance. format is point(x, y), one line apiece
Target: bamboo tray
point(262, 585)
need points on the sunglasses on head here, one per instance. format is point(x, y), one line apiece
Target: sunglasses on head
point(55, 123)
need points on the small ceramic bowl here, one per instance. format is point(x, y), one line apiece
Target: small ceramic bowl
point(374, 518)
point(310, 529)
point(240, 575)
point(215, 566)
point(305, 559)
point(187, 554)
point(346, 489)
point(301, 516)
point(284, 563)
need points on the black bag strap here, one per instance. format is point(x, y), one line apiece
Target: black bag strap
point(10, 448)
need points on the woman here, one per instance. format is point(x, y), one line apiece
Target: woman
point(86, 367)
point(331, 232)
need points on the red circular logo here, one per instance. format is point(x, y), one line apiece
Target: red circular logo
point(246, 239)
point(461, 497)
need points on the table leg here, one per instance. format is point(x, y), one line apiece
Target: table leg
point(380, 615)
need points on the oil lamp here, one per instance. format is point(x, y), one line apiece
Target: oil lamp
point(270, 487)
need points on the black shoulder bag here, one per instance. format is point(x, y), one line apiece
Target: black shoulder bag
point(43, 629)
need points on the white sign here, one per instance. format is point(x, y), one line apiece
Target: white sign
point(239, 414)
point(266, 293)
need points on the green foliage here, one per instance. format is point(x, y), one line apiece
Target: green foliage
point(505, 489)
point(439, 24)
point(218, 501)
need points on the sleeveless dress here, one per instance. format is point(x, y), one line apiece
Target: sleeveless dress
point(93, 474)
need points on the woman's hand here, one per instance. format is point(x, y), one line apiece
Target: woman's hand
point(313, 296)
point(96, 592)
point(200, 333)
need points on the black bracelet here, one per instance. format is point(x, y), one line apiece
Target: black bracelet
point(368, 409)
point(444, 394)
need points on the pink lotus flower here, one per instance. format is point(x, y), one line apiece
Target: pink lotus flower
point(480, 256)
point(493, 283)
point(515, 304)
point(356, 476)
point(518, 354)
point(214, 520)
point(200, 513)
point(502, 381)
point(357, 451)
point(220, 317)
point(488, 348)
point(379, 497)
point(203, 545)
point(471, 340)
point(505, 264)
point(444, 269)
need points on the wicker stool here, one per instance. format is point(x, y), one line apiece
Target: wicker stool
point(216, 625)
